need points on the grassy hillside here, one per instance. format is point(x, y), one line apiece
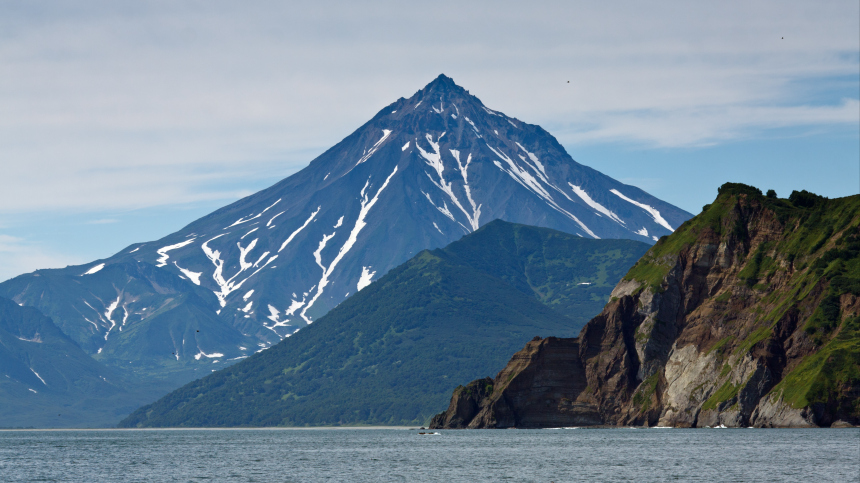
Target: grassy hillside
point(392, 353)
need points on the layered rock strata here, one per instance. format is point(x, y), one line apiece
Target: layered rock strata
point(748, 315)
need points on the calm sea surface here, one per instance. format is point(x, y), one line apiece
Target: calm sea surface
point(403, 455)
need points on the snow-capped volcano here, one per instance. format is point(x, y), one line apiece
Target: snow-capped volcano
point(423, 172)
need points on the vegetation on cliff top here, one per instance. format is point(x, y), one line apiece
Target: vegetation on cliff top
point(808, 221)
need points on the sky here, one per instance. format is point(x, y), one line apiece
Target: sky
point(123, 121)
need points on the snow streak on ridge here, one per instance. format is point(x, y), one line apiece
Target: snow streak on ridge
point(243, 220)
point(40, 377)
point(434, 160)
point(375, 147)
point(529, 182)
point(293, 235)
point(597, 206)
point(228, 286)
point(651, 210)
point(366, 205)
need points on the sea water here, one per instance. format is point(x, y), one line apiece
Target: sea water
point(817, 455)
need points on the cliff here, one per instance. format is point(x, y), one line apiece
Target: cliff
point(747, 315)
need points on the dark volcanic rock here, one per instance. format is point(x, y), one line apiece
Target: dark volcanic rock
point(465, 404)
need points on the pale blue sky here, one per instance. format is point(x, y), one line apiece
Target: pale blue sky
point(124, 121)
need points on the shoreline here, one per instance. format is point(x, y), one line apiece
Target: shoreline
point(377, 428)
point(264, 428)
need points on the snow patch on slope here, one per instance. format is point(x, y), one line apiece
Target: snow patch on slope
point(162, 260)
point(210, 356)
point(94, 269)
point(533, 158)
point(475, 128)
point(445, 211)
point(474, 219)
point(109, 313)
point(295, 305)
point(269, 223)
point(229, 285)
point(649, 209)
point(193, 276)
point(366, 277)
point(275, 317)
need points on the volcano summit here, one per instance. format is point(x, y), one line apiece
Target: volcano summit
point(422, 173)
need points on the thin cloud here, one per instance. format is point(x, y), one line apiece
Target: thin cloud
point(133, 105)
point(705, 125)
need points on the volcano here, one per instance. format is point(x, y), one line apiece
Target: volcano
point(422, 173)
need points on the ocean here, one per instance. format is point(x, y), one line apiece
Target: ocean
point(548, 455)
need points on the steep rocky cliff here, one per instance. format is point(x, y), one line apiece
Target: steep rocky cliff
point(747, 315)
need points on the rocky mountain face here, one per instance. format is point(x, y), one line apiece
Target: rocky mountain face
point(748, 315)
point(420, 174)
point(392, 353)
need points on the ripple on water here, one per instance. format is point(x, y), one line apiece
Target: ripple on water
point(398, 455)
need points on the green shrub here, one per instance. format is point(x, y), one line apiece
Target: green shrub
point(738, 188)
point(804, 199)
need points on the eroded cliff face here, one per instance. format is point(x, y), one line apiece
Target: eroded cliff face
point(748, 315)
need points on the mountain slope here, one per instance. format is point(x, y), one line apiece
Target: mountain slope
point(419, 175)
point(46, 380)
point(749, 314)
point(145, 322)
point(391, 353)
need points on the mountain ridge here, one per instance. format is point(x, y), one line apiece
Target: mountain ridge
point(390, 354)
